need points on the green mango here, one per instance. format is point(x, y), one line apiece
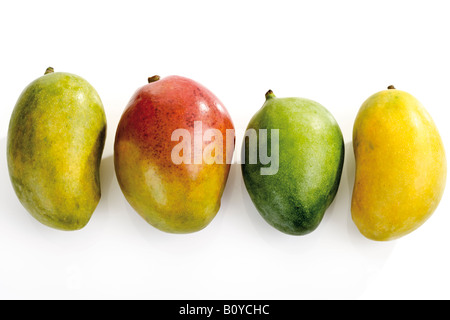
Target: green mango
point(55, 143)
point(293, 168)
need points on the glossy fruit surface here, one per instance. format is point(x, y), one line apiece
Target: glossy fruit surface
point(55, 143)
point(400, 166)
point(311, 154)
point(173, 196)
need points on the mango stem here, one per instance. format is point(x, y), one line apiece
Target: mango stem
point(153, 79)
point(49, 70)
point(270, 95)
point(391, 87)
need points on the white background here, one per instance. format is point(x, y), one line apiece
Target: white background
point(335, 52)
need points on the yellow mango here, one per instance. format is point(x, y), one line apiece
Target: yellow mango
point(400, 165)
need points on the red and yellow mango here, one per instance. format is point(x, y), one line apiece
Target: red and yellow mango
point(170, 186)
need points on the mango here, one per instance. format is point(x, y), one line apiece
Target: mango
point(293, 154)
point(55, 143)
point(172, 153)
point(400, 166)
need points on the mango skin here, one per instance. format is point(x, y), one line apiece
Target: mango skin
point(174, 198)
point(401, 167)
point(311, 158)
point(55, 143)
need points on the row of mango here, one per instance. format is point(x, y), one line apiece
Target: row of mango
point(174, 143)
